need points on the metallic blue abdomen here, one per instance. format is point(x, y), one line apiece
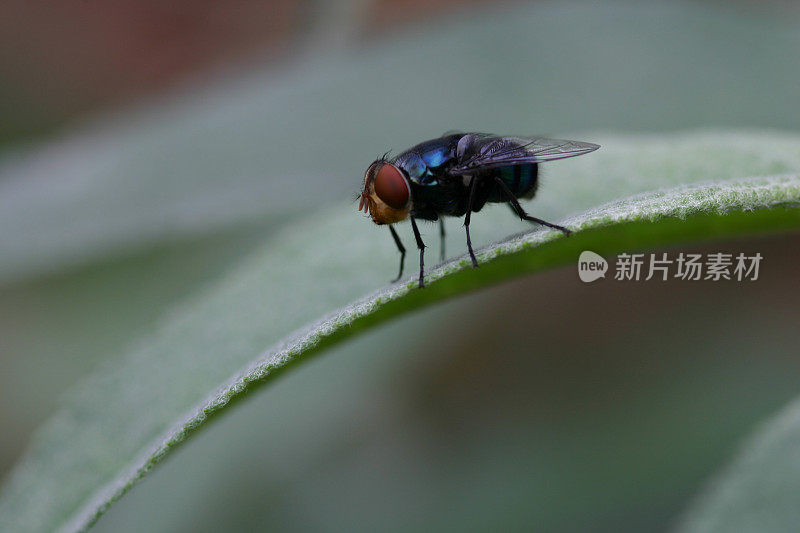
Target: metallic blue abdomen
point(521, 179)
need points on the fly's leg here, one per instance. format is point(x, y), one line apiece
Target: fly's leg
point(473, 184)
point(421, 246)
point(520, 212)
point(441, 239)
point(401, 249)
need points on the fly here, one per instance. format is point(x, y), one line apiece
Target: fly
point(456, 175)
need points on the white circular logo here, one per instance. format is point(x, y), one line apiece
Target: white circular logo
point(591, 266)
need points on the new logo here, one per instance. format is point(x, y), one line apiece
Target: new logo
point(591, 266)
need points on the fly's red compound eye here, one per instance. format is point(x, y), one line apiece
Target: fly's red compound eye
point(391, 187)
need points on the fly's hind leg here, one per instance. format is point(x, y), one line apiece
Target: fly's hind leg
point(513, 203)
point(473, 184)
point(401, 249)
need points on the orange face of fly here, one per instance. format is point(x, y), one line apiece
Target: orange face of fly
point(386, 195)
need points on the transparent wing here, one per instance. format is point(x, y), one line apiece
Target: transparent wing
point(481, 151)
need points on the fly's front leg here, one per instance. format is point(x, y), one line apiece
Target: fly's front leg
point(441, 239)
point(421, 246)
point(520, 212)
point(401, 249)
point(473, 184)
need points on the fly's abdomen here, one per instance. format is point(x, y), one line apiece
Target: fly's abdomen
point(520, 179)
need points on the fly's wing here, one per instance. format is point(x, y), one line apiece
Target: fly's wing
point(477, 151)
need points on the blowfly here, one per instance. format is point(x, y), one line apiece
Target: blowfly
point(456, 175)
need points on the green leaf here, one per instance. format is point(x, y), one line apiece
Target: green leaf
point(234, 335)
point(758, 491)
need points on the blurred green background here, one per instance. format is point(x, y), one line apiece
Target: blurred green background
point(145, 149)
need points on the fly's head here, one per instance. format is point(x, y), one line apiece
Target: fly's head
point(386, 195)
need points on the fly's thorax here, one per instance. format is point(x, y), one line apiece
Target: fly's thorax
point(386, 194)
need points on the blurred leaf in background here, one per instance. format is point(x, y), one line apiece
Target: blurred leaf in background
point(114, 224)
